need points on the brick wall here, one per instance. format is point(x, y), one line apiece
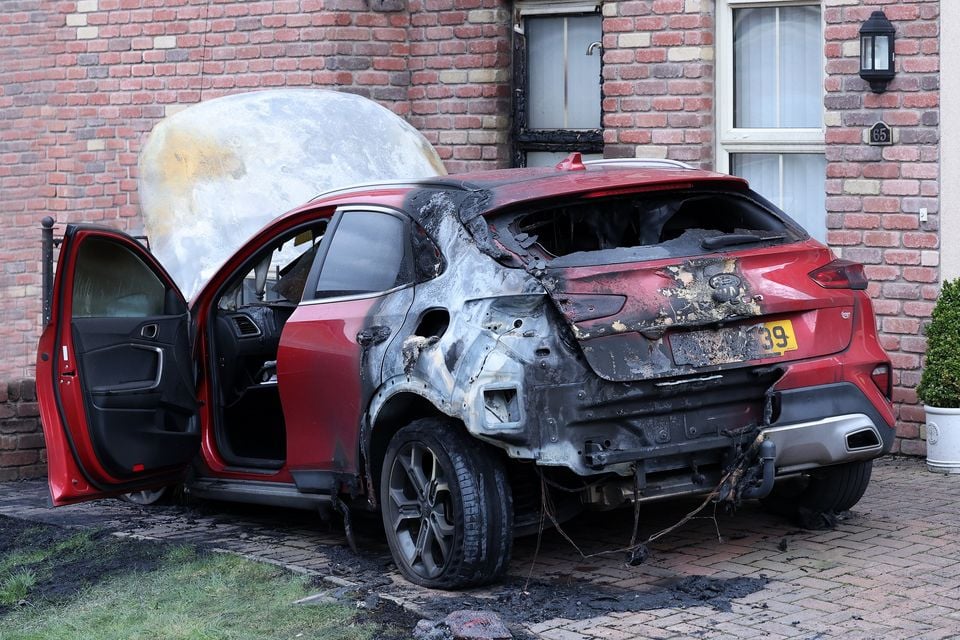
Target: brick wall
point(658, 80)
point(22, 454)
point(459, 66)
point(875, 194)
point(83, 81)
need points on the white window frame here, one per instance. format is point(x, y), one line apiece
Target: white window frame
point(732, 140)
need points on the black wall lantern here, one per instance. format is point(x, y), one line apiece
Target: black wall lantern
point(876, 51)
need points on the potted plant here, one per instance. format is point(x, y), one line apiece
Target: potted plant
point(939, 388)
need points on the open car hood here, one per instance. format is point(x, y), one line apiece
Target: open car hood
point(215, 173)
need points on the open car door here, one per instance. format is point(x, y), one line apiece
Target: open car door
point(115, 377)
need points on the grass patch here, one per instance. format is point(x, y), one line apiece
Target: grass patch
point(15, 586)
point(55, 585)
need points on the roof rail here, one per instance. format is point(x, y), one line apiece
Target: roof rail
point(364, 186)
point(647, 163)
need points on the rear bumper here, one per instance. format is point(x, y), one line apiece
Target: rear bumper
point(812, 426)
point(824, 442)
point(826, 425)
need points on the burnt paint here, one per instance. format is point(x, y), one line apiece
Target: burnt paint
point(631, 344)
point(506, 332)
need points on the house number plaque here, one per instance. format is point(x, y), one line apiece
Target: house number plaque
point(880, 135)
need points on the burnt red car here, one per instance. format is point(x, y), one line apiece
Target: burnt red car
point(440, 350)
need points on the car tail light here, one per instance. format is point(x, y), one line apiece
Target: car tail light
point(840, 274)
point(882, 378)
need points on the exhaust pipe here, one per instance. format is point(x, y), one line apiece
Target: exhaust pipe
point(862, 439)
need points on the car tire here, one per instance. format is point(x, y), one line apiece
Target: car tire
point(147, 497)
point(824, 490)
point(447, 506)
point(837, 488)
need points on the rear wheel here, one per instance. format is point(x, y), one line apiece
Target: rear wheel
point(837, 488)
point(825, 490)
point(447, 506)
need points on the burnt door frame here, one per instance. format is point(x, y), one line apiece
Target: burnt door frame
point(526, 139)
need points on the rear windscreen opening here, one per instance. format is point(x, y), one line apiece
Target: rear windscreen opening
point(646, 225)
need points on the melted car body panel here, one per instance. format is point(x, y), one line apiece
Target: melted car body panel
point(563, 362)
point(489, 341)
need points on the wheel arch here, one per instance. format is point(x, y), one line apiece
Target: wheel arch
point(390, 413)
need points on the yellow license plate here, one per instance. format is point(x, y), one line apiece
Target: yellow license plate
point(776, 337)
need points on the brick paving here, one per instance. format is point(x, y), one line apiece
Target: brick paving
point(891, 569)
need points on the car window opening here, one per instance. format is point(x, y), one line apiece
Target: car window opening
point(681, 222)
point(251, 313)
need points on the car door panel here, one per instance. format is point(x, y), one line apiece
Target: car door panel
point(128, 378)
point(327, 377)
point(332, 347)
point(115, 372)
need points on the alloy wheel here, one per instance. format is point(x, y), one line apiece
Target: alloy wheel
point(420, 509)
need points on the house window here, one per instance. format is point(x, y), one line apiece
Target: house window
point(557, 58)
point(770, 103)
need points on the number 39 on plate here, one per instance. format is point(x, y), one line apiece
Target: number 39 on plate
point(777, 337)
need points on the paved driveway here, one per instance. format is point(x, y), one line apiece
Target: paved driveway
point(891, 569)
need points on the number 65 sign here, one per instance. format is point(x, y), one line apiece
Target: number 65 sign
point(880, 135)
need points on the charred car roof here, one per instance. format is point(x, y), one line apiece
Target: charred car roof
point(471, 197)
point(486, 191)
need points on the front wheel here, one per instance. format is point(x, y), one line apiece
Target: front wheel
point(447, 506)
point(146, 497)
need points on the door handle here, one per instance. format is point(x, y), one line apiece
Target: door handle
point(149, 331)
point(373, 335)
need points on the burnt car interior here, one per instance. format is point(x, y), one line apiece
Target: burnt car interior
point(680, 223)
point(250, 316)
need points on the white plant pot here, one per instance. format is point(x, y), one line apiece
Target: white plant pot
point(943, 439)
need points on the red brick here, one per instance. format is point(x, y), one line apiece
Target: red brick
point(881, 239)
point(881, 272)
point(919, 309)
point(900, 325)
point(902, 257)
point(861, 221)
point(903, 221)
point(18, 458)
point(920, 240)
point(921, 274)
point(844, 238)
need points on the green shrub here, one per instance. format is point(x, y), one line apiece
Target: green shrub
point(940, 384)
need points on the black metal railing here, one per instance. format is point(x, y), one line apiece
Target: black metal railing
point(49, 243)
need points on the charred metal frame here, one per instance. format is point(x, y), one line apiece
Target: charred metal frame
point(525, 139)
